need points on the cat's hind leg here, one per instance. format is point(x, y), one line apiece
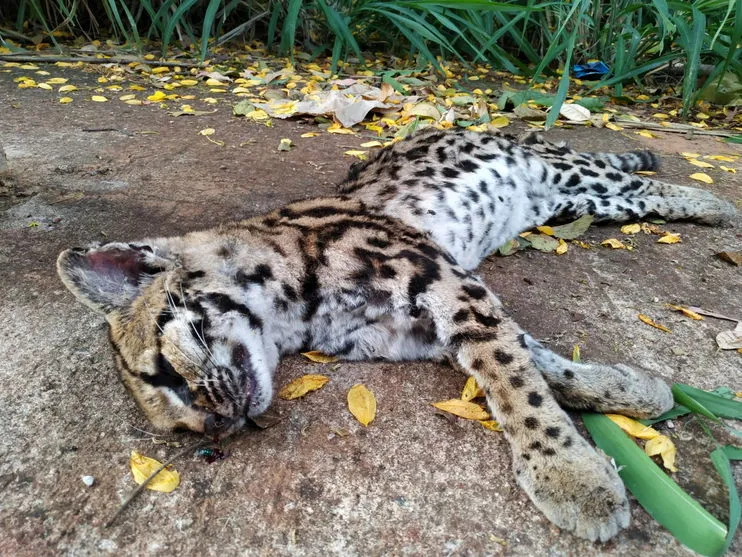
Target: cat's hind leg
point(601, 388)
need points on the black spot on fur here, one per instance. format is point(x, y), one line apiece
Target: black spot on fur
point(477, 364)
point(486, 320)
point(574, 179)
point(225, 304)
point(552, 432)
point(530, 422)
point(261, 274)
point(450, 172)
point(467, 165)
point(503, 357)
point(461, 315)
point(569, 374)
point(386, 271)
point(535, 399)
point(476, 292)
point(289, 292)
point(516, 381)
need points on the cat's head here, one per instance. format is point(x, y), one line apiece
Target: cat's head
point(185, 349)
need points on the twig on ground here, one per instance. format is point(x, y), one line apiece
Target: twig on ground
point(133, 495)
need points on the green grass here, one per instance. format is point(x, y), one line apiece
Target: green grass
point(528, 37)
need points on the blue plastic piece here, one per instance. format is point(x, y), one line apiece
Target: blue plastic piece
point(591, 70)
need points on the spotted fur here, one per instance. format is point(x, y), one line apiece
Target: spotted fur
point(199, 322)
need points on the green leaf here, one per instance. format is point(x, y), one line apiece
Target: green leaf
point(715, 405)
point(574, 229)
point(678, 410)
point(720, 457)
point(660, 496)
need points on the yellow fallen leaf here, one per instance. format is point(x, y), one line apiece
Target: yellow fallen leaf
point(500, 122)
point(632, 427)
point(648, 320)
point(142, 467)
point(258, 114)
point(661, 445)
point(687, 312)
point(463, 409)
point(211, 82)
point(644, 172)
point(362, 404)
point(369, 144)
point(134, 101)
point(303, 385)
point(127, 97)
point(562, 248)
point(657, 444)
point(581, 244)
point(612, 126)
point(613, 243)
point(207, 131)
point(319, 357)
point(660, 116)
point(722, 158)
point(363, 155)
point(157, 96)
point(688, 155)
point(492, 425)
point(646, 133)
point(702, 164)
point(98, 98)
point(728, 169)
point(61, 80)
point(188, 82)
point(548, 230)
point(471, 390)
point(67, 88)
point(309, 134)
point(337, 128)
point(65, 100)
point(669, 238)
point(648, 228)
point(136, 88)
point(631, 228)
point(702, 177)
point(576, 356)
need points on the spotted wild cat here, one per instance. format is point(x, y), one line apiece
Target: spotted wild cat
point(198, 322)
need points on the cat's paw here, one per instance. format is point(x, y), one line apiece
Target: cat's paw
point(576, 488)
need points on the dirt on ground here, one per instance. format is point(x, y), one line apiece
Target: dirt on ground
point(317, 482)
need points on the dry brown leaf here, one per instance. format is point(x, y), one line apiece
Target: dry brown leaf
point(733, 257)
point(303, 385)
point(362, 404)
point(142, 467)
point(319, 357)
point(648, 320)
point(463, 409)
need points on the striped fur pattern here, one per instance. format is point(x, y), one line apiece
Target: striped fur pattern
point(199, 322)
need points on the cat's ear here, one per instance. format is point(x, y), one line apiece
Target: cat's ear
point(110, 276)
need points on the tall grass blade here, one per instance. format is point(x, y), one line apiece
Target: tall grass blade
point(660, 496)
